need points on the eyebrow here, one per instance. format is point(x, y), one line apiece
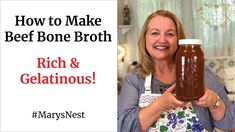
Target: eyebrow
point(169, 30)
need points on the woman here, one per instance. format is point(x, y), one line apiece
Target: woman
point(138, 110)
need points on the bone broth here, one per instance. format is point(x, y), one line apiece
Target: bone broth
point(189, 70)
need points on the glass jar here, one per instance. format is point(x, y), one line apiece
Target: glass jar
point(189, 70)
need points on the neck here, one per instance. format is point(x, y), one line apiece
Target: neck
point(165, 71)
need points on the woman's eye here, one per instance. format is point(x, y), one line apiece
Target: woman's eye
point(154, 33)
point(170, 34)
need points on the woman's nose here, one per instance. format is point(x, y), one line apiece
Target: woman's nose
point(162, 38)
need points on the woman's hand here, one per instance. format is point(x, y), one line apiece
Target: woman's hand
point(149, 114)
point(169, 101)
point(208, 99)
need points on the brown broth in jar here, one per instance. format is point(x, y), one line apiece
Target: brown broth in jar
point(189, 70)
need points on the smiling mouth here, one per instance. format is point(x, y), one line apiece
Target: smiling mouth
point(161, 47)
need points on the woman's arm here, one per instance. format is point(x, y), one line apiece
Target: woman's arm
point(133, 119)
point(216, 106)
point(128, 109)
point(226, 109)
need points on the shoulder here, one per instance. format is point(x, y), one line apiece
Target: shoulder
point(134, 79)
point(134, 75)
point(208, 72)
point(209, 75)
point(212, 81)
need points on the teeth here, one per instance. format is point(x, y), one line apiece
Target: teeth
point(161, 47)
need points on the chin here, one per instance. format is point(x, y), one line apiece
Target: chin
point(163, 58)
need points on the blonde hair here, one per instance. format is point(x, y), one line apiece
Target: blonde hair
point(146, 62)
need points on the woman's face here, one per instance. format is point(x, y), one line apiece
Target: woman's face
point(161, 38)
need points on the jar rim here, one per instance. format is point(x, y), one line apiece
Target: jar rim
point(190, 41)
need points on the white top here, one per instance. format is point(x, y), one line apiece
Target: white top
point(190, 41)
